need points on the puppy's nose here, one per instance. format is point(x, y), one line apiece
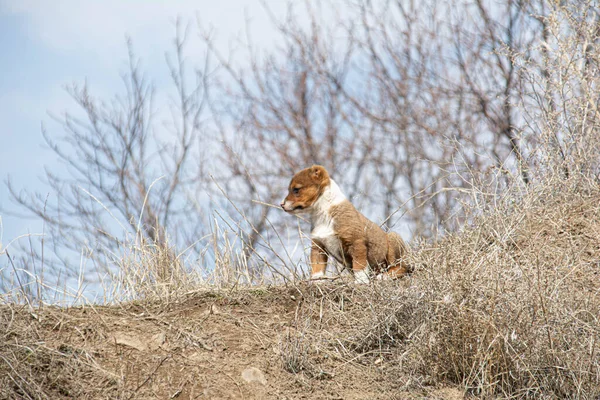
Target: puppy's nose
point(282, 204)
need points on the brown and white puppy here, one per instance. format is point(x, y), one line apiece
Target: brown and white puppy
point(340, 231)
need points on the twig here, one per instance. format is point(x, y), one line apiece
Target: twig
point(150, 376)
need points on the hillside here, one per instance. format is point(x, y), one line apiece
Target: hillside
point(508, 307)
point(205, 345)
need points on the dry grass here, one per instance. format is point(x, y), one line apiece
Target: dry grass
point(32, 368)
point(508, 307)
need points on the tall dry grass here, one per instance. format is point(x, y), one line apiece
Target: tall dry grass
point(508, 307)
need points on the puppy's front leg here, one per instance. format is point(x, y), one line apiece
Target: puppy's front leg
point(360, 266)
point(318, 261)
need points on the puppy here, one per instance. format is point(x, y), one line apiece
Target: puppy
point(341, 232)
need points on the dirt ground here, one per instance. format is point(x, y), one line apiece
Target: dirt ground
point(205, 345)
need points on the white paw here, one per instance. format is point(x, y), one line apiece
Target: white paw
point(317, 277)
point(362, 276)
point(383, 277)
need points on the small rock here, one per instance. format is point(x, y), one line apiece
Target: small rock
point(157, 341)
point(130, 341)
point(253, 374)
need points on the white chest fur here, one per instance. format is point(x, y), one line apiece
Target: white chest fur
point(322, 222)
point(331, 243)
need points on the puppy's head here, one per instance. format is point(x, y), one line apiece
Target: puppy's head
point(305, 188)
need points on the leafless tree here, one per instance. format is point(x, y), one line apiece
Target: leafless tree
point(124, 177)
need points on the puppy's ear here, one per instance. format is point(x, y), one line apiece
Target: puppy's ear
point(317, 172)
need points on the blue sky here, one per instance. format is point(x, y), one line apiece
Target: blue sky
point(45, 45)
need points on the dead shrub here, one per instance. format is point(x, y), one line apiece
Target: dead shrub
point(294, 351)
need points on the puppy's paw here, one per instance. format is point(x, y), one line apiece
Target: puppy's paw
point(383, 277)
point(317, 278)
point(362, 276)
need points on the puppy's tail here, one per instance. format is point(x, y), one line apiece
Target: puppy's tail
point(397, 256)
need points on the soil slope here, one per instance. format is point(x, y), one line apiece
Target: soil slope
point(204, 345)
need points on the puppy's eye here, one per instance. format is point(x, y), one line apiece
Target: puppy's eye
point(296, 190)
